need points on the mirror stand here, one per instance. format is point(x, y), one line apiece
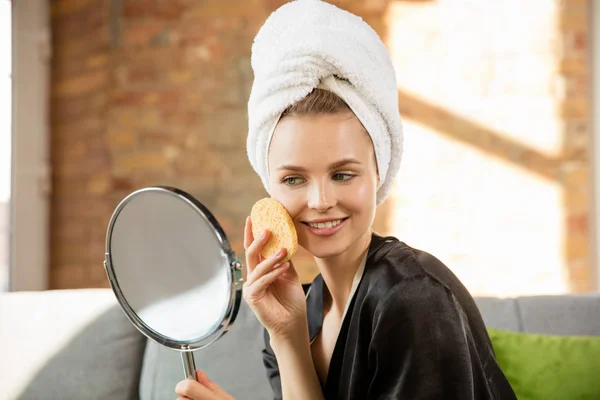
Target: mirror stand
point(189, 364)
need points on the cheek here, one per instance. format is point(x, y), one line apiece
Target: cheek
point(363, 195)
point(290, 200)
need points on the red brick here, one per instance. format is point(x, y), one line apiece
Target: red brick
point(138, 33)
point(70, 231)
point(97, 276)
point(69, 110)
point(71, 254)
point(575, 107)
point(574, 21)
point(580, 40)
point(142, 74)
point(68, 276)
point(145, 97)
point(99, 185)
point(79, 23)
point(90, 43)
point(161, 9)
point(83, 167)
point(69, 7)
point(163, 58)
point(122, 184)
point(77, 211)
point(577, 224)
point(575, 65)
point(81, 84)
point(121, 139)
point(162, 139)
point(98, 225)
point(134, 118)
point(139, 161)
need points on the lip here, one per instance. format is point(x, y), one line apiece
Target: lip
point(316, 221)
point(326, 231)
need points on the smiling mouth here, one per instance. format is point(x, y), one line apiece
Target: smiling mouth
point(325, 225)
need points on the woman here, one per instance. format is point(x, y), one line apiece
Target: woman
point(382, 320)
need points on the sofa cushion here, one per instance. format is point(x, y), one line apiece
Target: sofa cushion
point(549, 366)
point(68, 344)
point(499, 313)
point(234, 362)
point(561, 315)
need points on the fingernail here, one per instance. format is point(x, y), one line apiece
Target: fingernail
point(263, 235)
point(279, 253)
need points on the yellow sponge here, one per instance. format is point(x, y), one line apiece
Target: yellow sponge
point(269, 214)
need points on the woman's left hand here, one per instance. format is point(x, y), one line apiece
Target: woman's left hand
point(201, 389)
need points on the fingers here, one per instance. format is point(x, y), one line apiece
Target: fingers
point(191, 389)
point(248, 237)
point(253, 251)
point(291, 273)
point(203, 379)
point(265, 266)
point(253, 293)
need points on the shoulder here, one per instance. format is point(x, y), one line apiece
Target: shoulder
point(417, 297)
point(405, 279)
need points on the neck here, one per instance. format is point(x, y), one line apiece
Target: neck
point(338, 273)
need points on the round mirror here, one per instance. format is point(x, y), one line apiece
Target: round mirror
point(172, 270)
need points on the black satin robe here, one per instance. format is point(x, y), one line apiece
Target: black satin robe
point(412, 331)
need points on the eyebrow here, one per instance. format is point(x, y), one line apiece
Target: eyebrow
point(341, 163)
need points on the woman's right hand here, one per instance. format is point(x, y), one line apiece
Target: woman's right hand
point(274, 292)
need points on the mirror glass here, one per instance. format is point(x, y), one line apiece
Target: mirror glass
point(171, 267)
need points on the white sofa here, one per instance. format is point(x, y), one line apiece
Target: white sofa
point(78, 344)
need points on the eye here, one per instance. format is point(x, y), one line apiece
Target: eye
point(292, 180)
point(342, 177)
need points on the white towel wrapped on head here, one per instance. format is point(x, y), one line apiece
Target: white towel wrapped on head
point(308, 44)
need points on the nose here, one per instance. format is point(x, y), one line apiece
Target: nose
point(321, 196)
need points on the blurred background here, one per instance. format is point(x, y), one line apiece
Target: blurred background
point(499, 176)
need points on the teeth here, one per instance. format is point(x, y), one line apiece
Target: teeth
point(328, 224)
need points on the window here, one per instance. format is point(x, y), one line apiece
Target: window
point(29, 194)
point(5, 139)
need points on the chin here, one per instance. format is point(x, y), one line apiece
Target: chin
point(319, 252)
point(325, 248)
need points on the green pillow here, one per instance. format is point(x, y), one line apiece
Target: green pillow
point(549, 367)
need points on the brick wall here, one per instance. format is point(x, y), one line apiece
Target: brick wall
point(574, 77)
point(80, 101)
point(149, 92)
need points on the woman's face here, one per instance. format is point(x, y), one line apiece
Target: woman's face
point(322, 169)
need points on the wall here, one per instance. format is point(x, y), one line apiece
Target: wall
point(147, 93)
point(29, 149)
point(154, 92)
point(495, 180)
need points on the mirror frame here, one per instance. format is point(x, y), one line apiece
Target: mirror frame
point(234, 274)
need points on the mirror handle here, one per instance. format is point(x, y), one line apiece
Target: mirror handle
point(189, 364)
